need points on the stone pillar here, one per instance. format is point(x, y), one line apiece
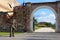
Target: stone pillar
point(58, 17)
point(28, 18)
point(58, 23)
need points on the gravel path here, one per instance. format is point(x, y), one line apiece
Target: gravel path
point(45, 29)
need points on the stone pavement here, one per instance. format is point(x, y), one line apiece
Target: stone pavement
point(34, 36)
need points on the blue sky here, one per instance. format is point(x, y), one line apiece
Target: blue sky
point(21, 1)
point(43, 14)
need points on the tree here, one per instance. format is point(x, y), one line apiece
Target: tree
point(46, 24)
point(34, 23)
point(34, 20)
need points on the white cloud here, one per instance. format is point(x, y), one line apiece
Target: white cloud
point(46, 18)
point(52, 16)
point(43, 13)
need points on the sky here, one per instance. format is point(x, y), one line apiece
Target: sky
point(43, 14)
point(33, 1)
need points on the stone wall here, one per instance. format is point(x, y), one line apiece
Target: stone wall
point(32, 6)
point(25, 18)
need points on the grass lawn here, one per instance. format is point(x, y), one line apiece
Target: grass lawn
point(36, 27)
point(7, 33)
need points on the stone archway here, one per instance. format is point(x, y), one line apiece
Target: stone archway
point(31, 17)
point(30, 7)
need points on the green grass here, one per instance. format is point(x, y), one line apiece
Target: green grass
point(37, 27)
point(7, 33)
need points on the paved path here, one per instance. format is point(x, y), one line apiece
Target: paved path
point(45, 29)
point(40, 36)
point(35, 36)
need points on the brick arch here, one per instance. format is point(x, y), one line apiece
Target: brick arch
point(43, 6)
point(48, 7)
point(49, 4)
point(30, 7)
